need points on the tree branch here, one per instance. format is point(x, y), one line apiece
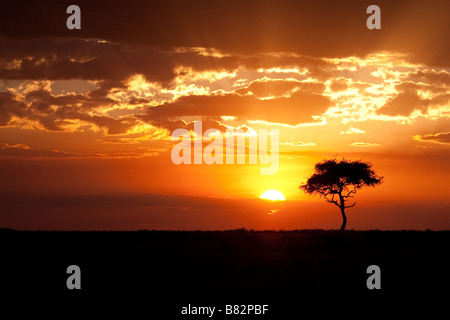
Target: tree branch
point(332, 198)
point(350, 206)
point(349, 194)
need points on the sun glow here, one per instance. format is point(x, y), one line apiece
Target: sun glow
point(273, 195)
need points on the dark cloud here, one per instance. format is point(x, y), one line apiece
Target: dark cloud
point(430, 76)
point(298, 108)
point(72, 107)
point(171, 125)
point(339, 84)
point(56, 120)
point(155, 38)
point(112, 64)
point(54, 112)
point(43, 96)
point(131, 211)
point(10, 107)
point(24, 151)
point(408, 100)
point(314, 28)
point(404, 104)
point(438, 137)
point(55, 59)
point(105, 87)
point(278, 88)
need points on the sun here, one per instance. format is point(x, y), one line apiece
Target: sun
point(273, 195)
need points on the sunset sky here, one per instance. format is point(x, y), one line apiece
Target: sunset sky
point(86, 116)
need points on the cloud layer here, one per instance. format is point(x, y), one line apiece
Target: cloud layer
point(165, 64)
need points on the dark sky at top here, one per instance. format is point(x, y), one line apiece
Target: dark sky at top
point(313, 28)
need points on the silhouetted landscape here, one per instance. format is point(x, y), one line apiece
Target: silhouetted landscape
point(168, 269)
point(163, 159)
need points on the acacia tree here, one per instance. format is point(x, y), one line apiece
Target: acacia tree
point(337, 181)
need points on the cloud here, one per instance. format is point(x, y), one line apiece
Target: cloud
point(298, 144)
point(276, 88)
point(25, 151)
point(364, 144)
point(431, 76)
point(404, 104)
point(419, 29)
point(443, 137)
point(352, 130)
point(132, 211)
point(114, 63)
point(298, 108)
point(10, 107)
point(4, 146)
point(188, 67)
point(74, 109)
point(208, 85)
point(33, 101)
point(56, 59)
point(339, 84)
point(408, 100)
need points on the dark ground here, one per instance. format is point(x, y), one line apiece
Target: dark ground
point(291, 271)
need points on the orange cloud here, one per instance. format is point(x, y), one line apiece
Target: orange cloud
point(443, 137)
point(364, 144)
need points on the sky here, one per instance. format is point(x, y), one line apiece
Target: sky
point(86, 116)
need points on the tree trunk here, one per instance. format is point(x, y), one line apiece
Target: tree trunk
point(344, 219)
point(342, 206)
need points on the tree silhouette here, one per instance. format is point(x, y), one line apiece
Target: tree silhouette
point(340, 180)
